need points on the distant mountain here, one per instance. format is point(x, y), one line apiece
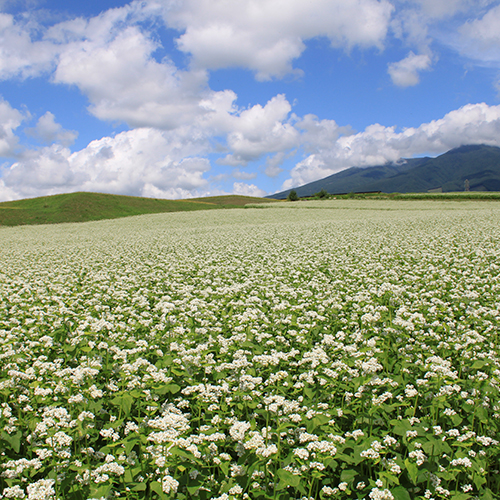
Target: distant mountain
point(479, 164)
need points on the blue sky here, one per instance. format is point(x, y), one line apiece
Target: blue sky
point(184, 98)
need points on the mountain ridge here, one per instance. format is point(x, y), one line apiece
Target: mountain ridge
point(477, 163)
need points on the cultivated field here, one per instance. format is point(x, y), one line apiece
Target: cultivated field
point(338, 349)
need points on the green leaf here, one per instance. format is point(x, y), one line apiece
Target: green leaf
point(478, 364)
point(479, 481)
point(460, 496)
point(309, 393)
point(320, 420)
point(13, 439)
point(174, 388)
point(390, 477)
point(487, 494)
point(482, 414)
point(125, 402)
point(287, 479)
point(400, 427)
point(101, 491)
point(412, 471)
point(193, 488)
point(129, 444)
point(156, 487)
point(400, 493)
point(348, 476)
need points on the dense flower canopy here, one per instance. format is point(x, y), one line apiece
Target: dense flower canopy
point(343, 349)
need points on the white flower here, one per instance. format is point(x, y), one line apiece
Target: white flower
point(236, 490)
point(378, 494)
point(342, 486)
point(461, 462)
point(168, 484)
point(13, 492)
point(43, 489)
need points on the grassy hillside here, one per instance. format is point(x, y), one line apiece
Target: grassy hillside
point(82, 207)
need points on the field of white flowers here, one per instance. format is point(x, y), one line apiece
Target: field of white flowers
point(343, 349)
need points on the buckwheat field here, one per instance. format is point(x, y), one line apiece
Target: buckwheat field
point(338, 349)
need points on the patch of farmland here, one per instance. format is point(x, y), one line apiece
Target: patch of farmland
point(283, 352)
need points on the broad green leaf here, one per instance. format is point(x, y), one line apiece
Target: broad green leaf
point(14, 440)
point(348, 475)
point(400, 493)
point(287, 479)
point(157, 488)
point(400, 427)
point(412, 470)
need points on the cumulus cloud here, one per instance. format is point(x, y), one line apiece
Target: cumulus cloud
point(10, 120)
point(48, 130)
point(19, 54)
point(145, 162)
point(481, 38)
point(259, 130)
point(377, 145)
point(405, 73)
point(125, 83)
point(244, 189)
point(267, 35)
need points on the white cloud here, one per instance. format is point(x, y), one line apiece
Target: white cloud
point(19, 55)
point(248, 190)
point(422, 23)
point(48, 130)
point(267, 35)
point(259, 130)
point(144, 162)
point(124, 83)
point(376, 145)
point(10, 120)
point(481, 38)
point(319, 134)
point(405, 72)
point(273, 164)
point(438, 9)
point(244, 176)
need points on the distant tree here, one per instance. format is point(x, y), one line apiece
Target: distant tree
point(322, 194)
point(292, 195)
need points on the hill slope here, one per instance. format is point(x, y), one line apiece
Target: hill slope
point(82, 207)
point(479, 164)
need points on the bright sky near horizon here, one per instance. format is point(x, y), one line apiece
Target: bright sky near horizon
point(183, 98)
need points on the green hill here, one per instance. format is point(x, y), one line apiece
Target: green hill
point(480, 165)
point(82, 207)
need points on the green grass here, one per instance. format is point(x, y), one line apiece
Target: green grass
point(83, 207)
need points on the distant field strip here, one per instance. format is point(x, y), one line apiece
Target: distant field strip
point(348, 351)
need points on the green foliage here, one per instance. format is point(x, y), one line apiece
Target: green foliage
point(292, 195)
point(321, 194)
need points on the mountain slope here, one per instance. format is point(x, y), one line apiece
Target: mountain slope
point(479, 164)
